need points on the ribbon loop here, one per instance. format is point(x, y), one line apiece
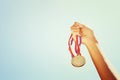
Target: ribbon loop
point(77, 45)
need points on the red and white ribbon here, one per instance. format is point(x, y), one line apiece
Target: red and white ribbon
point(77, 44)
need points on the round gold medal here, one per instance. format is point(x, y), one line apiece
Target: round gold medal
point(78, 61)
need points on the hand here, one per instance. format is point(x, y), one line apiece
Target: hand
point(86, 33)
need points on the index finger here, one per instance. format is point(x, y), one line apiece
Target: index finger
point(79, 25)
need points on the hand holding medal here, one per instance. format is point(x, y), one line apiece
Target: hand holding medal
point(82, 34)
point(77, 60)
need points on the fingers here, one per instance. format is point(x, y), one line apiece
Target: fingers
point(75, 26)
point(79, 25)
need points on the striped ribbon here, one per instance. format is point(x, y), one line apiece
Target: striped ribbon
point(77, 45)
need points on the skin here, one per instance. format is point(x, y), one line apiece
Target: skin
point(88, 39)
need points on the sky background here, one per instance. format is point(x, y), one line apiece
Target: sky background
point(34, 36)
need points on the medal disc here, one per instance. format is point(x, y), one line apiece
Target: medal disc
point(78, 61)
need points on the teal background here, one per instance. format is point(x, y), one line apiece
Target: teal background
point(34, 35)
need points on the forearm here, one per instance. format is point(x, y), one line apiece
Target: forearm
point(99, 61)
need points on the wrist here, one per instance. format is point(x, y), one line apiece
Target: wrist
point(89, 42)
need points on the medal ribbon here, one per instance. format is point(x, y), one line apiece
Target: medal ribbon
point(77, 45)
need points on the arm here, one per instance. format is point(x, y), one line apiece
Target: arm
point(89, 40)
point(103, 69)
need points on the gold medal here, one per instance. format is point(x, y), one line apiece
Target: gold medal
point(77, 60)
